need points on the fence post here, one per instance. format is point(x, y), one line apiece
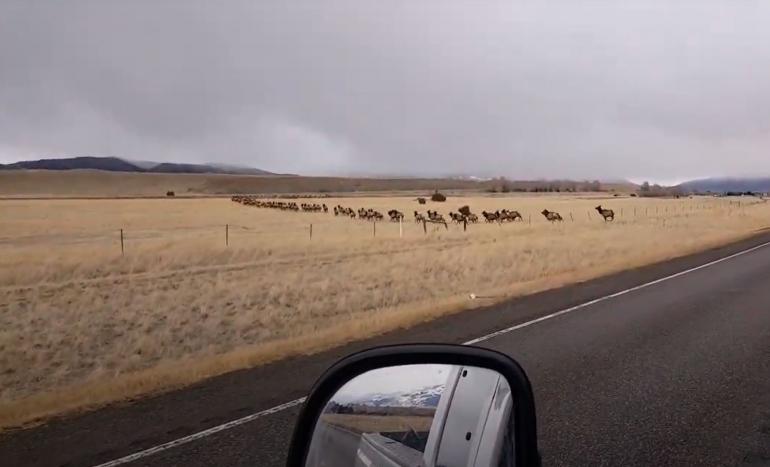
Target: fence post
point(425, 227)
point(400, 228)
point(465, 224)
point(227, 234)
point(530, 218)
point(374, 228)
point(311, 231)
point(122, 251)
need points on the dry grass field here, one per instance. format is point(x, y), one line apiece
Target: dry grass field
point(379, 423)
point(82, 324)
point(101, 184)
point(97, 183)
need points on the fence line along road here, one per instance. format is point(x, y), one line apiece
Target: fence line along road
point(127, 237)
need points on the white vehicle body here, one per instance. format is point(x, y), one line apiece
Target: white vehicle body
point(471, 428)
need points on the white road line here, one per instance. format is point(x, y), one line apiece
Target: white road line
point(608, 297)
point(202, 434)
point(296, 402)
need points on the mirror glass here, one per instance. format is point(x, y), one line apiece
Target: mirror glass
point(417, 415)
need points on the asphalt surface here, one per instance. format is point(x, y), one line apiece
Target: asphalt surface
point(677, 373)
point(335, 447)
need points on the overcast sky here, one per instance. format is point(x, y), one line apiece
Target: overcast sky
point(642, 90)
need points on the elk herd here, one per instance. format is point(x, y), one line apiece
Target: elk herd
point(367, 214)
point(503, 215)
point(462, 216)
point(282, 205)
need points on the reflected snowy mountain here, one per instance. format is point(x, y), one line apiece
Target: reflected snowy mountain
point(423, 397)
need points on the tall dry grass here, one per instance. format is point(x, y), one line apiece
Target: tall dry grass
point(81, 324)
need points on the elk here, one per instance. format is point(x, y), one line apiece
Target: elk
point(418, 217)
point(435, 217)
point(607, 214)
point(552, 216)
point(395, 215)
point(510, 216)
point(489, 216)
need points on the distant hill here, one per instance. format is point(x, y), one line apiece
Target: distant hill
point(170, 167)
point(115, 164)
point(727, 184)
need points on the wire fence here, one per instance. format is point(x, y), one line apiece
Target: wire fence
point(320, 226)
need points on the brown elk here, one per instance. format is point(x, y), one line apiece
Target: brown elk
point(489, 216)
point(395, 215)
point(552, 216)
point(607, 214)
point(435, 217)
point(510, 216)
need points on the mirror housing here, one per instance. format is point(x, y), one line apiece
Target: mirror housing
point(523, 421)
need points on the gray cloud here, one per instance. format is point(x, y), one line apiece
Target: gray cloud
point(523, 89)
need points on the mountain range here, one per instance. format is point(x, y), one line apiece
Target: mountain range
point(727, 184)
point(422, 397)
point(115, 164)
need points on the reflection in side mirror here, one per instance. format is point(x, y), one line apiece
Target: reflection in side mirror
point(426, 405)
point(416, 415)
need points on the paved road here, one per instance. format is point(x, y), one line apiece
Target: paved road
point(676, 373)
point(336, 447)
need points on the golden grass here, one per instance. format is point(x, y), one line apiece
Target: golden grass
point(81, 325)
point(96, 183)
point(379, 423)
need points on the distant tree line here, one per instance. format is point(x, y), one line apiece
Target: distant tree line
point(651, 191)
point(503, 185)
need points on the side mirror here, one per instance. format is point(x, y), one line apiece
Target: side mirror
point(418, 406)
